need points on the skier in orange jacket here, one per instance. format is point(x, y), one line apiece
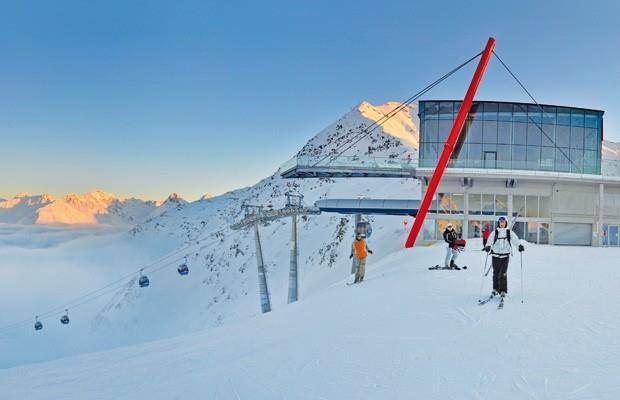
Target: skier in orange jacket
point(359, 250)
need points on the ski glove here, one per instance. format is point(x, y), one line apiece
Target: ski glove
point(487, 248)
point(351, 256)
point(521, 248)
point(370, 251)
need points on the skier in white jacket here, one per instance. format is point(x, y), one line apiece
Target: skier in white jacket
point(500, 246)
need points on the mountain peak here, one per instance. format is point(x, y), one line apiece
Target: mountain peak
point(207, 196)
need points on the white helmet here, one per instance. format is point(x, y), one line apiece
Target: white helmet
point(449, 225)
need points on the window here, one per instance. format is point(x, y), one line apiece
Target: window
point(431, 109)
point(475, 132)
point(534, 114)
point(532, 232)
point(577, 118)
point(518, 205)
point(444, 130)
point(443, 203)
point(501, 204)
point(490, 112)
point(518, 157)
point(474, 152)
point(446, 110)
point(489, 132)
point(543, 233)
point(547, 158)
point(519, 133)
point(576, 137)
point(531, 206)
point(544, 207)
point(561, 159)
point(504, 130)
point(562, 136)
point(519, 113)
point(591, 139)
point(533, 134)
point(475, 204)
point(458, 203)
point(430, 130)
point(488, 204)
point(548, 135)
point(563, 116)
point(591, 120)
point(590, 162)
point(533, 157)
point(429, 151)
point(504, 112)
point(576, 156)
point(549, 115)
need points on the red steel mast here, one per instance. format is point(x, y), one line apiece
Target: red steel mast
point(450, 142)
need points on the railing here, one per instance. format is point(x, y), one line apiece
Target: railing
point(355, 162)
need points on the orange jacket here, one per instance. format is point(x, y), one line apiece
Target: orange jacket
point(359, 248)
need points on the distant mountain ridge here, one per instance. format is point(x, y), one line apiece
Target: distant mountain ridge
point(91, 208)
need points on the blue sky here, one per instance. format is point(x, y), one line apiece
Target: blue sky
point(143, 98)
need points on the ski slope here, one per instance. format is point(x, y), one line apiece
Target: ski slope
point(405, 332)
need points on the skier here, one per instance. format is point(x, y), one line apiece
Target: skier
point(450, 236)
point(360, 250)
point(500, 247)
point(486, 232)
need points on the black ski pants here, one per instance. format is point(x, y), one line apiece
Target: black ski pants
point(500, 274)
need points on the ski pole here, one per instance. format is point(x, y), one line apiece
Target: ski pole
point(484, 274)
point(522, 295)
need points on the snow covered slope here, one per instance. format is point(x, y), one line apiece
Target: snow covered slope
point(92, 208)
point(406, 332)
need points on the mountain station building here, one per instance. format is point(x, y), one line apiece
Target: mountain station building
point(539, 165)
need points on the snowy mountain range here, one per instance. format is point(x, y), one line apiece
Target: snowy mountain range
point(92, 208)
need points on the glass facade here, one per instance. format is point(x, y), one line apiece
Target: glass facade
point(514, 136)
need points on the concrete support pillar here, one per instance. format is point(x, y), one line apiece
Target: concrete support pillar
point(262, 277)
point(292, 274)
point(510, 207)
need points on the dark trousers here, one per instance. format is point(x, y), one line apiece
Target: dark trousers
point(484, 242)
point(500, 274)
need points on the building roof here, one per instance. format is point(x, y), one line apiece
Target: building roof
point(514, 102)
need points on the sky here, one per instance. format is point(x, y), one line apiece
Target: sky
point(145, 98)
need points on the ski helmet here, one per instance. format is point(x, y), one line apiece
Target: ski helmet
point(449, 225)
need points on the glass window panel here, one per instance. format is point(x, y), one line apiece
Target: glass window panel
point(488, 204)
point(475, 203)
point(457, 107)
point(576, 156)
point(544, 205)
point(549, 115)
point(489, 132)
point(531, 206)
point(431, 127)
point(490, 112)
point(534, 114)
point(562, 136)
point(543, 233)
point(576, 118)
point(444, 130)
point(533, 157)
point(548, 136)
point(518, 205)
point(475, 111)
point(431, 109)
point(429, 154)
point(475, 132)
point(474, 155)
point(443, 200)
point(504, 112)
point(591, 139)
point(520, 113)
point(592, 120)
point(446, 110)
point(576, 137)
point(547, 158)
point(563, 116)
point(503, 156)
point(457, 204)
point(532, 232)
point(561, 159)
point(501, 204)
point(533, 134)
point(519, 133)
point(504, 130)
point(518, 157)
point(590, 162)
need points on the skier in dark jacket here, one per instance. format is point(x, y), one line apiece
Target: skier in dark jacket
point(450, 236)
point(500, 246)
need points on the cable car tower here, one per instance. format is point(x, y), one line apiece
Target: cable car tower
point(255, 215)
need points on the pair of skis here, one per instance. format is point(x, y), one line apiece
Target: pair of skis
point(491, 297)
point(436, 267)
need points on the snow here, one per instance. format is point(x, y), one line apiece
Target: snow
point(406, 332)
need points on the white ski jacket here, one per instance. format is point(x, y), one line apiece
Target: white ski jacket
point(501, 247)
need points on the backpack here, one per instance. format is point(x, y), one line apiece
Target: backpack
point(507, 236)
